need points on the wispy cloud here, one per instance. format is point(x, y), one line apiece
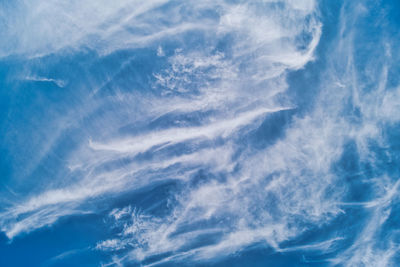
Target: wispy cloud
point(219, 78)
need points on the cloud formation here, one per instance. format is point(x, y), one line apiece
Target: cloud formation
point(214, 118)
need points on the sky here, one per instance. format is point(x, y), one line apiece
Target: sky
point(199, 133)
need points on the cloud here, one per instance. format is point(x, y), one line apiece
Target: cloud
point(220, 74)
point(229, 86)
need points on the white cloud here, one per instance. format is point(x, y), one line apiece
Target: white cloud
point(263, 193)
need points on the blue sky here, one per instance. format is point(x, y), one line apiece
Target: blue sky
point(199, 133)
